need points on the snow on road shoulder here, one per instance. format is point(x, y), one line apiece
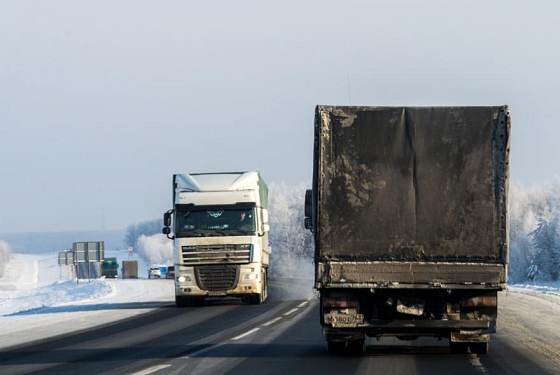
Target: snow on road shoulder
point(57, 294)
point(35, 304)
point(549, 291)
point(31, 282)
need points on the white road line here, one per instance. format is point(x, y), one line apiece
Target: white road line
point(272, 321)
point(245, 334)
point(291, 311)
point(302, 304)
point(151, 370)
point(475, 361)
point(199, 352)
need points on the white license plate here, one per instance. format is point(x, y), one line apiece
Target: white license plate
point(216, 293)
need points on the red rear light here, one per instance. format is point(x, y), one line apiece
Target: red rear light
point(480, 301)
point(339, 302)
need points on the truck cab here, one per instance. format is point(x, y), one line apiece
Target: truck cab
point(220, 227)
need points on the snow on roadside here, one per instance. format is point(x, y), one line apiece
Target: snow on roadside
point(58, 294)
point(551, 289)
point(36, 304)
point(31, 282)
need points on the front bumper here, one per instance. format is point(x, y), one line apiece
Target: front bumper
point(248, 287)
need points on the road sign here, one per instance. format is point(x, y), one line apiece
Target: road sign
point(86, 253)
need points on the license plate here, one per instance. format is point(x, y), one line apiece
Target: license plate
point(338, 320)
point(216, 293)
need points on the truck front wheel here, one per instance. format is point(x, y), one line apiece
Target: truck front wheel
point(188, 302)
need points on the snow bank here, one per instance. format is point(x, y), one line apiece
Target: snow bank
point(552, 289)
point(57, 294)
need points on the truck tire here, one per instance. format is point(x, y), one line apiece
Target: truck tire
point(256, 299)
point(458, 347)
point(188, 301)
point(336, 347)
point(356, 347)
point(479, 347)
point(265, 287)
point(181, 301)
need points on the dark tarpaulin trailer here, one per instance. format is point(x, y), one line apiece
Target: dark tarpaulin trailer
point(399, 190)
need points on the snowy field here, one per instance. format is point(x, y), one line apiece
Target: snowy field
point(37, 301)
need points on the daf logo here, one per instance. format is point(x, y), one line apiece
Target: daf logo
point(215, 214)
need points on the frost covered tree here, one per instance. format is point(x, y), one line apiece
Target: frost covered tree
point(546, 241)
point(292, 244)
point(146, 228)
point(526, 206)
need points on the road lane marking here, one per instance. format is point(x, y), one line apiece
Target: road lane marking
point(291, 311)
point(272, 321)
point(302, 304)
point(151, 370)
point(201, 351)
point(475, 361)
point(245, 334)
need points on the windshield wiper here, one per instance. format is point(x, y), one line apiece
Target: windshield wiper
point(217, 232)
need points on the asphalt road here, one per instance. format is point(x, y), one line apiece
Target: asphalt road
point(282, 337)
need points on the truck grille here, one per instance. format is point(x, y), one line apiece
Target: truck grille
point(217, 254)
point(217, 278)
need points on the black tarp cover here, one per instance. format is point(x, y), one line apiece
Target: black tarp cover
point(411, 183)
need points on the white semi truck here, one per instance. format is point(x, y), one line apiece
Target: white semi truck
point(220, 233)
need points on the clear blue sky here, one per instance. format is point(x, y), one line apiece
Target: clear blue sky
point(101, 102)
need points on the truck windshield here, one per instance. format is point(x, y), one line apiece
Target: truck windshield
point(226, 222)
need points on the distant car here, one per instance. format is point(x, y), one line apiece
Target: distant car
point(154, 272)
point(170, 272)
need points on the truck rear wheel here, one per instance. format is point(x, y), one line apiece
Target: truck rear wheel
point(336, 347)
point(479, 347)
point(458, 347)
point(356, 347)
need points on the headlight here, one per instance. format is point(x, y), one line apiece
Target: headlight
point(182, 279)
point(251, 276)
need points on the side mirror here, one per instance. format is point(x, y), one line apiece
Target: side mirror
point(166, 230)
point(167, 218)
point(266, 227)
point(308, 203)
point(265, 215)
point(308, 223)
